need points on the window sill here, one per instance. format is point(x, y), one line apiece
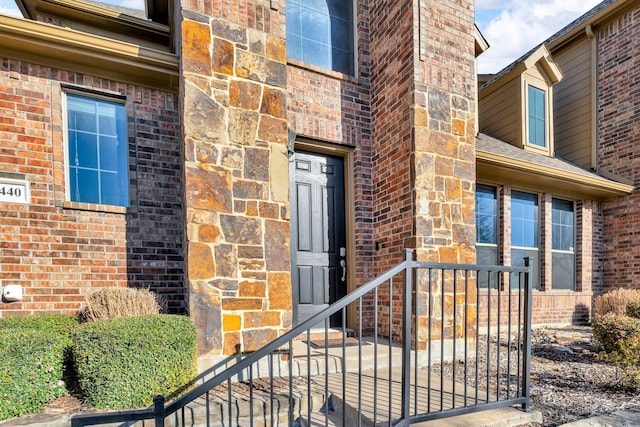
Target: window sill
point(81, 206)
point(316, 69)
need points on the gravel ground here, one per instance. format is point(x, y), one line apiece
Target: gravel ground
point(568, 383)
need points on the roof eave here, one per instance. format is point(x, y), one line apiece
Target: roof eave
point(615, 8)
point(494, 168)
point(73, 50)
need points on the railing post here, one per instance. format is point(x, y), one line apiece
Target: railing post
point(526, 391)
point(406, 338)
point(158, 410)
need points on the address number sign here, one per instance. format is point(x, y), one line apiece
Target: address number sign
point(14, 191)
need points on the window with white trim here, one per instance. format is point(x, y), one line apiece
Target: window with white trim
point(320, 32)
point(96, 150)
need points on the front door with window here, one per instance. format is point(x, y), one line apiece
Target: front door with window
point(318, 247)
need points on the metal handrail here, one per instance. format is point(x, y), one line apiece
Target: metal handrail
point(159, 411)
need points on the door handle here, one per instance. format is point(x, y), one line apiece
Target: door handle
point(343, 264)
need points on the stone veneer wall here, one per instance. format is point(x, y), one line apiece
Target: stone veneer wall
point(619, 144)
point(233, 81)
point(443, 106)
point(58, 250)
point(423, 113)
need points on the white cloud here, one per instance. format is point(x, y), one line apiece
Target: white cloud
point(521, 25)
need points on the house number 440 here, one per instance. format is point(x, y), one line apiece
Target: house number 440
point(14, 191)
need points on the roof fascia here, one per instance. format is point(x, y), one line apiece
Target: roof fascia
point(86, 12)
point(72, 50)
point(494, 168)
point(615, 8)
point(540, 56)
point(481, 44)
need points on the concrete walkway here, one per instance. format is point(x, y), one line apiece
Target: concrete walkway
point(624, 418)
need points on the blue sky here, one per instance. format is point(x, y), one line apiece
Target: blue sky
point(512, 27)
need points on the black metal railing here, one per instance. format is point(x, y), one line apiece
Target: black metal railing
point(429, 343)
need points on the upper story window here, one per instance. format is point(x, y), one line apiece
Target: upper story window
point(96, 151)
point(320, 32)
point(536, 114)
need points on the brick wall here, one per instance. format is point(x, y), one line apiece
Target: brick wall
point(392, 76)
point(58, 250)
point(325, 106)
point(619, 144)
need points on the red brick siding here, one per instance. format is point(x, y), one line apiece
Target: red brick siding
point(58, 254)
point(392, 41)
point(619, 144)
point(331, 107)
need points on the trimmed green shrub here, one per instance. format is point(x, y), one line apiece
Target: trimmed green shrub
point(31, 369)
point(620, 339)
point(122, 363)
point(60, 324)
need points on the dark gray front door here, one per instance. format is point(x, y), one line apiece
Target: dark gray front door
point(317, 234)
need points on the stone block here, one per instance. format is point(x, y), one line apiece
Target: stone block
point(243, 126)
point(238, 304)
point(208, 233)
point(229, 31)
point(261, 319)
point(232, 344)
point(244, 94)
point(231, 322)
point(209, 189)
point(251, 66)
point(279, 291)
point(276, 73)
point(272, 129)
point(200, 261)
point(254, 339)
point(276, 242)
point(204, 118)
point(207, 319)
point(196, 42)
point(249, 190)
point(251, 252)
point(226, 261)
point(279, 173)
point(274, 102)
point(224, 284)
point(252, 289)
point(242, 230)
point(223, 57)
point(256, 164)
point(276, 48)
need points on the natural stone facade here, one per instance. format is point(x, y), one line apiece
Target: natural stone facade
point(423, 83)
point(235, 132)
